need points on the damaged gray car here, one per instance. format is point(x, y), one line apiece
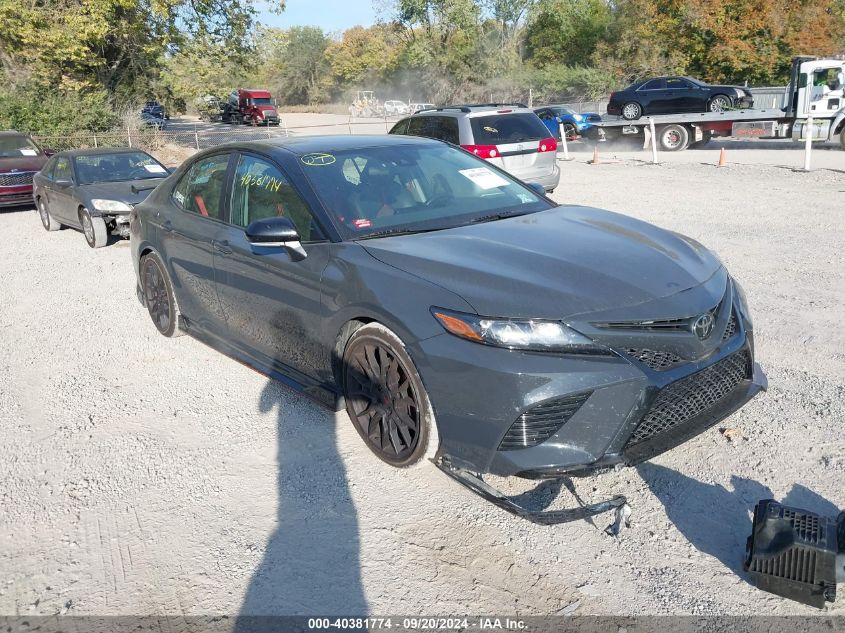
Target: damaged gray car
point(458, 314)
point(94, 190)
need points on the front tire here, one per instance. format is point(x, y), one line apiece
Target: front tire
point(570, 131)
point(842, 137)
point(632, 111)
point(385, 398)
point(94, 229)
point(719, 103)
point(47, 220)
point(158, 296)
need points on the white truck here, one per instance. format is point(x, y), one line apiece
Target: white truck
point(816, 91)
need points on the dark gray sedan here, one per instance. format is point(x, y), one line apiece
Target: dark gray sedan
point(455, 311)
point(94, 190)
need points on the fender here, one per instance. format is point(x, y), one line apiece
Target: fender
point(837, 123)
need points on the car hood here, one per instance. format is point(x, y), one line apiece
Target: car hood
point(121, 191)
point(22, 163)
point(553, 264)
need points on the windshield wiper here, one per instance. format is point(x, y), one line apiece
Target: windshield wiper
point(394, 232)
point(497, 216)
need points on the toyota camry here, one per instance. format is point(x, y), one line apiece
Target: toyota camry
point(455, 312)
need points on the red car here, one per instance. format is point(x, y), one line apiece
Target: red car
point(20, 159)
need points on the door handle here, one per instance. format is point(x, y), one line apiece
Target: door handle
point(222, 247)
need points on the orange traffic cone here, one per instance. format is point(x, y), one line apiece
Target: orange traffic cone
point(723, 160)
point(595, 160)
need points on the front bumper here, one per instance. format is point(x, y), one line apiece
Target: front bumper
point(479, 393)
point(16, 196)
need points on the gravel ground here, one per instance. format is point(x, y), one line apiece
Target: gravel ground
point(140, 475)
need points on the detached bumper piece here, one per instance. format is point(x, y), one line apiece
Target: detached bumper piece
point(546, 517)
point(796, 554)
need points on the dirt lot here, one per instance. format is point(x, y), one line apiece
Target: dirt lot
point(146, 475)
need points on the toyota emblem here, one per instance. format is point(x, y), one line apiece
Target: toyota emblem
point(702, 327)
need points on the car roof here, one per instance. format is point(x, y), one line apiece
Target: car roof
point(102, 151)
point(13, 133)
point(475, 109)
point(329, 143)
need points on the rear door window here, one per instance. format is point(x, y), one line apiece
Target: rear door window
point(62, 171)
point(443, 128)
point(507, 128)
point(654, 84)
point(200, 190)
point(677, 83)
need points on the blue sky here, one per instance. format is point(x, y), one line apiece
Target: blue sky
point(331, 15)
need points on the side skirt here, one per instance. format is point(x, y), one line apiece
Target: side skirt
point(319, 392)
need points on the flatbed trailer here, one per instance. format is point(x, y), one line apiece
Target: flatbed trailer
point(805, 101)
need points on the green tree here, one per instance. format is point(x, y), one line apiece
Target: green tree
point(566, 31)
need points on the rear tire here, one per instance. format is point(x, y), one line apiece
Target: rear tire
point(570, 131)
point(673, 138)
point(47, 220)
point(158, 296)
point(632, 111)
point(385, 398)
point(842, 137)
point(94, 229)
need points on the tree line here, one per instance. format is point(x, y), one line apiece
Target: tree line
point(74, 64)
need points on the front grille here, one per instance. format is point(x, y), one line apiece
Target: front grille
point(730, 329)
point(657, 360)
point(16, 179)
point(537, 425)
point(688, 397)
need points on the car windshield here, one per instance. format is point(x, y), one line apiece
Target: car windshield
point(262, 101)
point(413, 188)
point(562, 110)
point(508, 128)
point(117, 167)
point(11, 146)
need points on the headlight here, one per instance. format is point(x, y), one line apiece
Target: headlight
point(111, 205)
point(742, 302)
point(519, 334)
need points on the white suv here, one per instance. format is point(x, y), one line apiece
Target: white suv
point(510, 136)
point(396, 107)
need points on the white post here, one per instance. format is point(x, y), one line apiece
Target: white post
point(653, 140)
point(95, 140)
point(808, 142)
point(563, 142)
point(196, 138)
point(129, 136)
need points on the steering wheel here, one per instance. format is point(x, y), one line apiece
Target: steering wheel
point(440, 197)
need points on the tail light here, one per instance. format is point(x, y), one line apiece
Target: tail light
point(612, 94)
point(548, 145)
point(482, 151)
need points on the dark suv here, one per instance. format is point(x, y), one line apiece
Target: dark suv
point(20, 159)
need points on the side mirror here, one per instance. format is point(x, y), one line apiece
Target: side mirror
point(537, 188)
point(276, 232)
point(49, 152)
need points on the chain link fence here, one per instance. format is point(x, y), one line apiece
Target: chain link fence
point(203, 136)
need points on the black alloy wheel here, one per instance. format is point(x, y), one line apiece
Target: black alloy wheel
point(384, 396)
point(158, 295)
